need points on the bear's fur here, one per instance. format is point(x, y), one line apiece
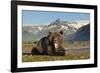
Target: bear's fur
point(50, 45)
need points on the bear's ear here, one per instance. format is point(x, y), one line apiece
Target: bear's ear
point(61, 32)
point(50, 33)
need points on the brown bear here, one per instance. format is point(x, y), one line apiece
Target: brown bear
point(51, 44)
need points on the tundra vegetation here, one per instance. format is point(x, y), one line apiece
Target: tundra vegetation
point(74, 50)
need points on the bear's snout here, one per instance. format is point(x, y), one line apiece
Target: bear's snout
point(56, 45)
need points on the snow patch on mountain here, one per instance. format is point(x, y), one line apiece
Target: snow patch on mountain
point(40, 28)
point(63, 27)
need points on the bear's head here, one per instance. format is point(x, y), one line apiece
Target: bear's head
point(55, 39)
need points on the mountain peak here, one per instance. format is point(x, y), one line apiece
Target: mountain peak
point(56, 22)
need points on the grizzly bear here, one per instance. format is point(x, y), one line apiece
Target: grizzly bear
point(50, 45)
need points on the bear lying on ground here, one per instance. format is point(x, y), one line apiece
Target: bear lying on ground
point(50, 45)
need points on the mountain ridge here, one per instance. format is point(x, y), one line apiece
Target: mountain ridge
point(39, 31)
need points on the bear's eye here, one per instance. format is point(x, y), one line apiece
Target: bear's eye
point(55, 40)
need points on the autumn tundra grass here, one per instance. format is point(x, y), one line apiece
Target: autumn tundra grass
point(74, 51)
point(37, 58)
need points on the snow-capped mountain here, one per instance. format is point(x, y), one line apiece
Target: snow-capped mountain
point(68, 27)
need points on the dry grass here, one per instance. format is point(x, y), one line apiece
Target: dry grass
point(73, 52)
point(37, 58)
